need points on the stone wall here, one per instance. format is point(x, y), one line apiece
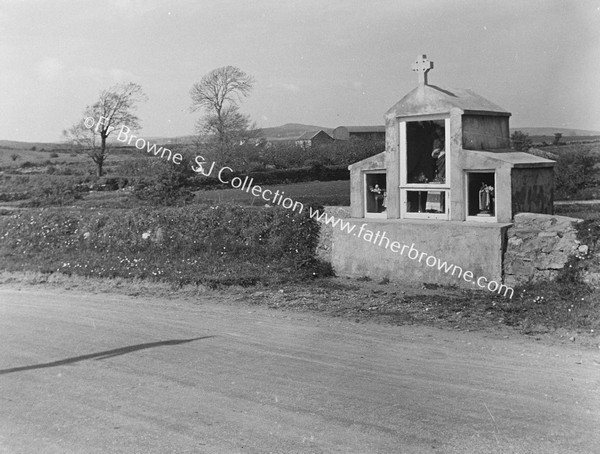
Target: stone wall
point(538, 247)
point(324, 247)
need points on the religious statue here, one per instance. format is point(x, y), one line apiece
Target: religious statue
point(486, 200)
point(439, 154)
point(380, 197)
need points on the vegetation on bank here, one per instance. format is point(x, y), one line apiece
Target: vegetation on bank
point(209, 245)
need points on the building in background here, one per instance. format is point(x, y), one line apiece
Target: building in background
point(313, 138)
point(373, 133)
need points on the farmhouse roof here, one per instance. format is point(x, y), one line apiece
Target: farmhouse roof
point(308, 135)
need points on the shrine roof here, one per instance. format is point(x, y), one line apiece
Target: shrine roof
point(431, 99)
point(515, 158)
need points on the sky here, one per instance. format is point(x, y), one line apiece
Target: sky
point(325, 63)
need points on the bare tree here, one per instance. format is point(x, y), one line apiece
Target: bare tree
point(218, 94)
point(114, 108)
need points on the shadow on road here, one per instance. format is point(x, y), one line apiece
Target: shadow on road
point(103, 355)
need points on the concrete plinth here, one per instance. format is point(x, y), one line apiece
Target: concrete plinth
point(475, 248)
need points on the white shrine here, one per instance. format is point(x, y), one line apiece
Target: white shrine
point(447, 181)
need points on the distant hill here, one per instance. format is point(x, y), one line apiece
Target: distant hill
point(551, 131)
point(288, 131)
point(16, 145)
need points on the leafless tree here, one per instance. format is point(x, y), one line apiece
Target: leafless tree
point(114, 108)
point(218, 94)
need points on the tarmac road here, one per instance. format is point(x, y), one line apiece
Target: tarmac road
point(89, 373)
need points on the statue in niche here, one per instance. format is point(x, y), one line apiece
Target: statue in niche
point(380, 198)
point(439, 154)
point(486, 200)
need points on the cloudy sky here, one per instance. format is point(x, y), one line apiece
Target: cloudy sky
point(327, 63)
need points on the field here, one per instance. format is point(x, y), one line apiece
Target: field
point(23, 168)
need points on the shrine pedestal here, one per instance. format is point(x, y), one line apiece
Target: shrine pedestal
point(429, 251)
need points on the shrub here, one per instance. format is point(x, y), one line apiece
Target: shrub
point(557, 137)
point(338, 153)
point(573, 171)
point(55, 192)
point(166, 183)
point(110, 183)
point(67, 171)
point(588, 233)
point(520, 141)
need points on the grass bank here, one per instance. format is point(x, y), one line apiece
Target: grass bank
point(199, 244)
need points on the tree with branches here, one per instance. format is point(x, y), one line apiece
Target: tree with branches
point(218, 94)
point(114, 108)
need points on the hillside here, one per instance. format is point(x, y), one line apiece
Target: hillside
point(16, 145)
point(291, 131)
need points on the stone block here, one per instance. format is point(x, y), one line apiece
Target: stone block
point(515, 242)
point(592, 278)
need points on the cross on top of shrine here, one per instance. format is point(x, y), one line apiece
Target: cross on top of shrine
point(422, 67)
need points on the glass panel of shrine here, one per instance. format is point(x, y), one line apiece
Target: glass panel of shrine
point(425, 164)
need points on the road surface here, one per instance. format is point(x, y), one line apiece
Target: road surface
point(93, 373)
